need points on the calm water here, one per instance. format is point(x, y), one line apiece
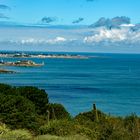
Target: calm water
point(112, 81)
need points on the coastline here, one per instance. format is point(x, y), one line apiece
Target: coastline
point(29, 55)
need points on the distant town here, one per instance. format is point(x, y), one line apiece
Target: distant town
point(28, 55)
point(30, 63)
point(21, 63)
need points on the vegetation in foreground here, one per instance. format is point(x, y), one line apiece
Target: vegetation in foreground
point(26, 114)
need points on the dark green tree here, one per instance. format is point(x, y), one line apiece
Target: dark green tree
point(57, 111)
point(37, 96)
point(17, 111)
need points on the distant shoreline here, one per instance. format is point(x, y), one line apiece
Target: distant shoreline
point(82, 53)
point(29, 55)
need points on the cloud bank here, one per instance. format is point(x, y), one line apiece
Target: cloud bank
point(115, 35)
point(35, 41)
point(82, 36)
point(123, 34)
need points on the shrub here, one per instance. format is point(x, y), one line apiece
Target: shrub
point(90, 116)
point(57, 111)
point(132, 125)
point(3, 129)
point(67, 128)
point(85, 131)
point(58, 128)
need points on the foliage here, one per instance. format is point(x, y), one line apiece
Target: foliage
point(91, 116)
point(25, 107)
point(111, 128)
point(3, 129)
point(57, 111)
point(16, 135)
point(4, 87)
point(16, 111)
point(19, 134)
point(37, 96)
point(58, 128)
point(132, 125)
point(29, 108)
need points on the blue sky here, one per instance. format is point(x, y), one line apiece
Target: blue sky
point(66, 11)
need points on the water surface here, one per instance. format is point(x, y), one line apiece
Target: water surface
point(112, 81)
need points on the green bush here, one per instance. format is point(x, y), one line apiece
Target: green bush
point(3, 129)
point(90, 116)
point(85, 131)
point(132, 125)
point(20, 134)
point(58, 128)
point(67, 128)
point(57, 111)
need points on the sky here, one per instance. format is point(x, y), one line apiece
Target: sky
point(67, 11)
point(65, 25)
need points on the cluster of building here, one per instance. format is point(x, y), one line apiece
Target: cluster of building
point(25, 63)
point(24, 55)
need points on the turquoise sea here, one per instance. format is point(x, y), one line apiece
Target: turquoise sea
point(112, 81)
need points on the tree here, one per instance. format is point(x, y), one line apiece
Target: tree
point(17, 111)
point(57, 111)
point(37, 96)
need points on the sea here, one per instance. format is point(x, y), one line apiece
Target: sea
point(111, 81)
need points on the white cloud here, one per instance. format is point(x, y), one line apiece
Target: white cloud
point(56, 40)
point(123, 34)
point(81, 37)
point(36, 41)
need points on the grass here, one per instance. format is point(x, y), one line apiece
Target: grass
point(20, 134)
point(49, 137)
